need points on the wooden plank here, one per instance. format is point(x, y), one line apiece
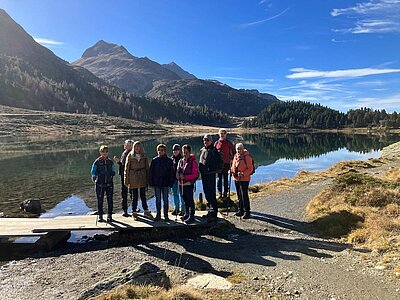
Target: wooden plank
point(19, 227)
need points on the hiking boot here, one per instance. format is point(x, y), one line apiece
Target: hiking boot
point(157, 218)
point(181, 213)
point(125, 214)
point(166, 219)
point(246, 215)
point(175, 212)
point(148, 214)
point(184, 217)
point(109, 218)
point(135, 216)
point(190, 220)
point(101, 220)
point(208, 215)
point(219, 195)
point(239, 213)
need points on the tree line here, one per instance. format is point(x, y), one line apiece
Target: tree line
point(305, 115)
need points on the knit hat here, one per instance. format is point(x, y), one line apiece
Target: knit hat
point(176, 147)
point(208, 137)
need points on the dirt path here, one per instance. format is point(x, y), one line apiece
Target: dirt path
point(275, 253)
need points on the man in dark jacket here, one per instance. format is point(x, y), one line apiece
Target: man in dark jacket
point(121, 165)
point(210, 163)
point(162, 177)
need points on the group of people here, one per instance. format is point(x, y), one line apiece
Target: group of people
point(179, 172)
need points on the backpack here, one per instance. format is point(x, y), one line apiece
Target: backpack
point(216, 161)
point(252, 162)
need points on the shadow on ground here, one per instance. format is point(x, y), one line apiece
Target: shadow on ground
point(230, 244)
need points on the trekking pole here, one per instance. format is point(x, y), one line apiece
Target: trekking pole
point(177, 208)
point(229, 193)
point(182, 196)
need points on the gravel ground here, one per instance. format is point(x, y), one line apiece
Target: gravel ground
point(276, 253)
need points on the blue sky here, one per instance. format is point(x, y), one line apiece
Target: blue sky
point(343, 54)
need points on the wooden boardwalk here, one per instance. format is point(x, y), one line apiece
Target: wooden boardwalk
point(26, 227)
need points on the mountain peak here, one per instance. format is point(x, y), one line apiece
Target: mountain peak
point(103, 47)
point(172, 66)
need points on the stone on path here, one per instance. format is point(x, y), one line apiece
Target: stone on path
point(209, 281)
point(145, 273)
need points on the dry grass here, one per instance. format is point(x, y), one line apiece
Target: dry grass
point(363, 209)
point(150, 292)
point(306, 177)
point(236, 277)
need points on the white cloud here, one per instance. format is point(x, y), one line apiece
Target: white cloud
point(243, 79)
point(305, 73)
point(373, 16)
point(391, 103)
point(245, 25)
point(47, 42)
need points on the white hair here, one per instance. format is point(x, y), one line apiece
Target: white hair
point(239, 145)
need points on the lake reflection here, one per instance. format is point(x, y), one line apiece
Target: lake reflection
point(55, 175)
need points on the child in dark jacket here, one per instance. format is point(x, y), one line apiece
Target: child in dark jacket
point(102, 175)
point(162, 177)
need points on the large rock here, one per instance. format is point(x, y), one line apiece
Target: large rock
point(32, 205)
point(209, 281)
point(146, 273)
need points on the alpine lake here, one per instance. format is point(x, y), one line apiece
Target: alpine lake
point(57, 170)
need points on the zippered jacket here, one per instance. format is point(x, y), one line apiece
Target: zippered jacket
point(103, 170)
point(188, 168)
point(242, 163)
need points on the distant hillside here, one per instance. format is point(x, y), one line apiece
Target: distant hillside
point(304, 115)
point(213, 94)
point(142, 76)
point(32, 77)
point(117, 66)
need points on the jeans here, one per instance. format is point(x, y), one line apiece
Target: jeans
point(242, 189)
point(209, 189)
point(177, 192)
point(108, 190)
point(188, 198)
point(135, 198)
point(161, 191)
point(223, 175)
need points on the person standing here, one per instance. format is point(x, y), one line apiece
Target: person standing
point(210, 163)
point(102, 175)
point(179, 205)
point(242, 168)
point(227, 149)
point(187, 174)
point(136, 177)
point(121, 166)
point(162, 177)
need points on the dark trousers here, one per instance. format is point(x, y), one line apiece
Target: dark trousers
point(135, 198)
point(209, 189)
point(223, 176)
point(124, 195)
point(188, 199)
point(242, 189)
point(161, 192)
point(108, 190)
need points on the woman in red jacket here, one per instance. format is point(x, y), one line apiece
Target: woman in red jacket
point(187, 174)
point(242, 168)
